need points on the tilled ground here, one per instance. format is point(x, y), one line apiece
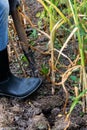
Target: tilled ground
point(42, 110)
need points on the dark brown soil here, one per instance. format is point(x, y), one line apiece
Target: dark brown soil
point(42, 110)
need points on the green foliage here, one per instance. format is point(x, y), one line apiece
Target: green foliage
point(44, 69)
point(24, 59)
point(73, 78)
point(76, 100)
point(34, 34)
point(82, 114)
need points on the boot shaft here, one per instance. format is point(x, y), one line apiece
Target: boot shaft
point(4, 65)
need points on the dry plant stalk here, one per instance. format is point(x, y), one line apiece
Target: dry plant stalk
point(67, 97)
point(67, 124)
point(68, 39)
point(76, 91)
point(67, 74)
point(64, 78)
point(84, 83)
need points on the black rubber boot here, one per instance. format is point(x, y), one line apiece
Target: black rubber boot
point(13, 86)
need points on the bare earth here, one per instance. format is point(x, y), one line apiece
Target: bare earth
point(42, 110)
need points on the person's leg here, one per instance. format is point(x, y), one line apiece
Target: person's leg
point(9, 84)
point(4, 12)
